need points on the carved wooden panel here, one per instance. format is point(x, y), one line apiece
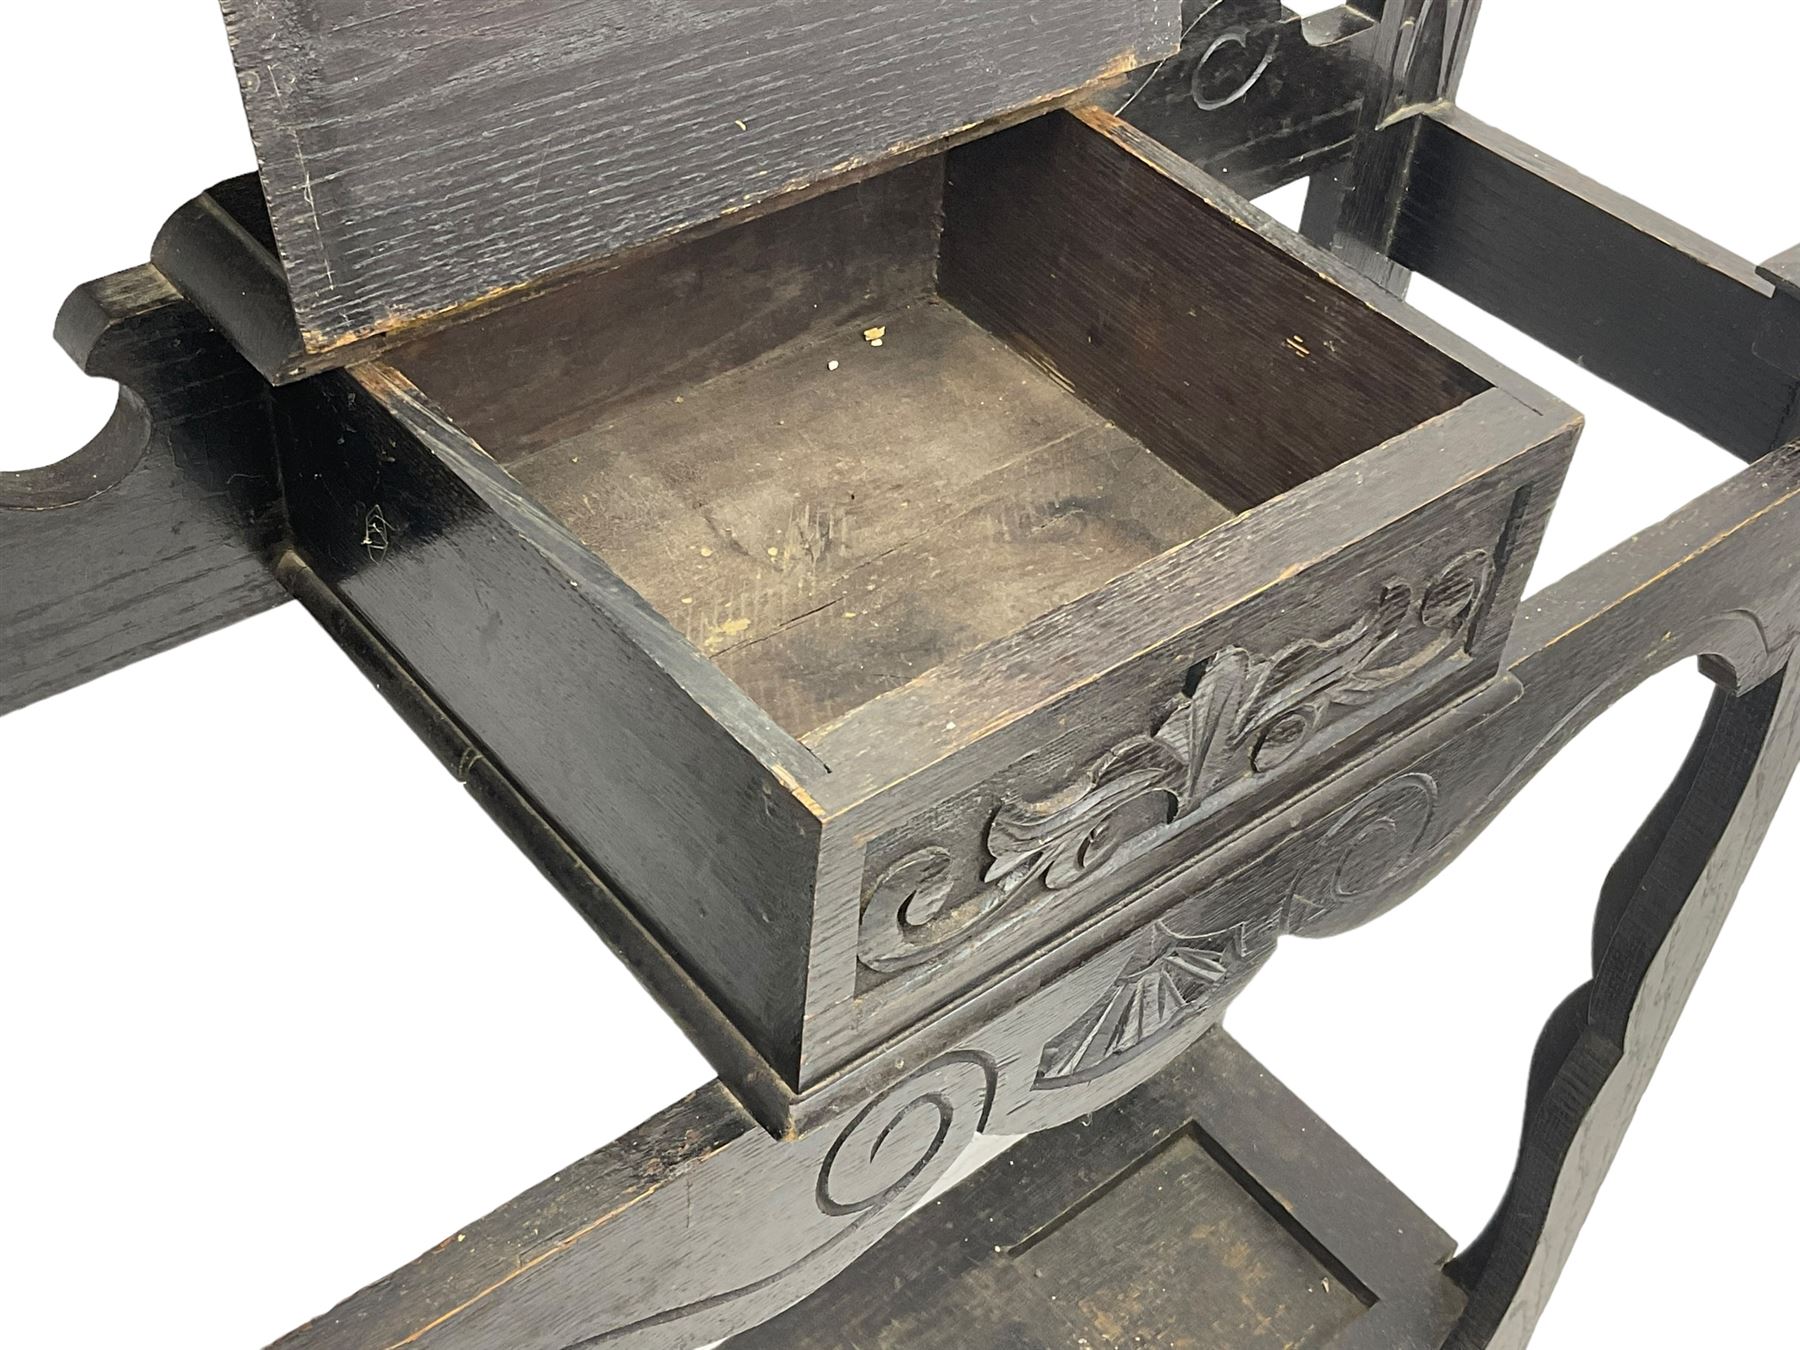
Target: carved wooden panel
point(1333, 876)
point(1244, 717)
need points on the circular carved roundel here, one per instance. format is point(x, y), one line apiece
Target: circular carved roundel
point(905, 1140)
point(1352, 872)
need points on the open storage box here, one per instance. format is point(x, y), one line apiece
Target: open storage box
point(946, 588)
point(875, 589)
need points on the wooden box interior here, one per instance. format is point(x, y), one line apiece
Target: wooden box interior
point(843, 443)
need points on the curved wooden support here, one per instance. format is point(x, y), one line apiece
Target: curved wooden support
point(154, 533)
point(1660, 912)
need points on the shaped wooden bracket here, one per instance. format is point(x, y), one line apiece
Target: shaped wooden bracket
point(155, 532)
point(1257, 96)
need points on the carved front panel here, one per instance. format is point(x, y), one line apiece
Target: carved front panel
point(1103, 813)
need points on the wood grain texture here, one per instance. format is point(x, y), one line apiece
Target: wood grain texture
point(1173, 600)
point(1111, 261)
point(1667, 316)
point(155, 533)
point(531, 376)
point(420, 158)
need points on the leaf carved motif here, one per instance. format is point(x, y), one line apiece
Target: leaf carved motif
point(1168, 982)
point(1245, 717)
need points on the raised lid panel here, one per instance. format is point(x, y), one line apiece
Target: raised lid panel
point(419, 158)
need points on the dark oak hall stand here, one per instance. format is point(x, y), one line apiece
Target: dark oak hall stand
point(943, 585)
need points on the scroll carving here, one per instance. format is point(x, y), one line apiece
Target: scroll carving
point(895, 1150)
point(1372, 847)
point(938, 1112)
point(1246, 717)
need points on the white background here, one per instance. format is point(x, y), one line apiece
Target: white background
point(279, 1008)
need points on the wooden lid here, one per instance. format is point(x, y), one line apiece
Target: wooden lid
point(420, 158)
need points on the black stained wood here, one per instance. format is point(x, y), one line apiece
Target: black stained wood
point(1209, 1209)
point(969, 1024)
point(1050, 772)
point(1258, 96)
point(1662, 908)
point(219, 252)
point(1413, 59)
point(1477, 508)
point(825, 535)
point(1778, 344)
point(154, 533)
point(1114, 263)
point(511, 1278)
point(732, 499)
point(683, 796)
point(1451, 481)
point(418, 159)
point(1667, 316)
point(761, 1091)
point(1383, 703)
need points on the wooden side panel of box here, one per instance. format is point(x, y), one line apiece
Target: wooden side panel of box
point(683, 797)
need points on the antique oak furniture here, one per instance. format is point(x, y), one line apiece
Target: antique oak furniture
point(944, 585)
